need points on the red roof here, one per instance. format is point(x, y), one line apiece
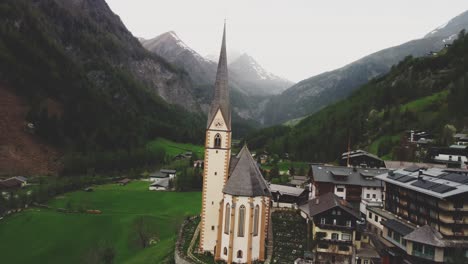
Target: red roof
point(11, 183)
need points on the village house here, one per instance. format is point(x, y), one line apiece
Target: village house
point(13, 183)
point(361, 158)
point(338, 231)
point(358, 186)
point(424, 214)
point(288, 196)
point(160, 185)
point(455, 156)
point(299, 181)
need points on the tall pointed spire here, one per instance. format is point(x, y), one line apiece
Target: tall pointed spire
point(221, 89)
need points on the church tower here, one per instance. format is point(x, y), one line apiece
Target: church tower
point(217, 155)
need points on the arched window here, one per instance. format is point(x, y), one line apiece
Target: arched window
point(256, 216)
point(225, 251)
point(227, 218)
point(240, 230)
point(239, 254)
point(217, 141)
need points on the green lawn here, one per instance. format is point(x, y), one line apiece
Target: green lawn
point(41, 235)
point(286, 164)
point(173, 148)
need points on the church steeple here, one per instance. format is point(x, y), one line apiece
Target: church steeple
point(221, 89)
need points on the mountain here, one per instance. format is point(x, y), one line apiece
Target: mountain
point(250, 84)
point(426, 93)
point(78, 81)
point(173, 49)
point(310, 95)
point(251, 74)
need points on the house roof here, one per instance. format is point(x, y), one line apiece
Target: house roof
point(162, 183)
point(126, 180)
point(168, 171)
point(297, 182)
point(427, 235)
point(435, 182)
point(158, 174)
point(246, 178)
point(397, 226)
point(346, 175)
point(357, 153)
point(21, 178)
point(288, 190)
point(326, 202)
point(392, 164)
point(300, 178)
point(10, 183)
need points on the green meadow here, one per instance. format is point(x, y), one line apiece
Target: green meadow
point(172, 148)
point(36, 234)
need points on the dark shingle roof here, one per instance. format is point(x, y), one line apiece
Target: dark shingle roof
point(326, 202)
point(397, 226)
point(347, 175)
point(245, 178)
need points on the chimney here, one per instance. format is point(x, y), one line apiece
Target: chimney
point(317, 201)
point(420, 174)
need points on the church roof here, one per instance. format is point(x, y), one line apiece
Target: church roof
point(221, 92)
point(246, 178)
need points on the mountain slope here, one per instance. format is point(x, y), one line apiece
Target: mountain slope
point(250, 84)
point(251, 74)
point(425, 93)
point(310, 95)
point(87, 83)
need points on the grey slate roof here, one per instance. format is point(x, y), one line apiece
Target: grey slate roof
point(246, 178)
point(288, 190)
point(427, 235)
point(357, 153)
point(352, 176)
point(326, 202)
point(397, 226)
point(163, 183)
point(221, 92)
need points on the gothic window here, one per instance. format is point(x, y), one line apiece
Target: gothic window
point(240, 231)
point(226, 219)
point(217, 141)
point(239, 254)
point(256, 216)
point(225, 250)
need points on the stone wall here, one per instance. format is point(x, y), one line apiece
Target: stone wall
point(179, 256)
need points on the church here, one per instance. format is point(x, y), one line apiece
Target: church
point(236, 198)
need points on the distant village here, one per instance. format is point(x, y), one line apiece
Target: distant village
point(365, 210)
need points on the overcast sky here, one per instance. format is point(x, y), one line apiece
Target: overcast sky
point(295, 39)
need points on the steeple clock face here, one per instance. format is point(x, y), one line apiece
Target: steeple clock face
point(218, 122)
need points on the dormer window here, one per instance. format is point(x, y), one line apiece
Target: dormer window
point(217, 141)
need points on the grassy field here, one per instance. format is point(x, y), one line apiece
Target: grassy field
point(173, 148)
point(36, 235)
point(374, 146)
point(425, 102)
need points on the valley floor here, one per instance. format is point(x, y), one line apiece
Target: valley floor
point(46, 234)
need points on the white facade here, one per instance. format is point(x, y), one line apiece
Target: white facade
point(234, 246)
point(215, 175)
point(340, 191)
point(370, 196)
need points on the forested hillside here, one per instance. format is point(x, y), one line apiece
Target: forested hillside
point(313, 94)
point(419, 93)
point(87, 83)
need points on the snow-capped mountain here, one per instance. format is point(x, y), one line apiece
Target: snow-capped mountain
point(169, 46)
point(251, 73)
